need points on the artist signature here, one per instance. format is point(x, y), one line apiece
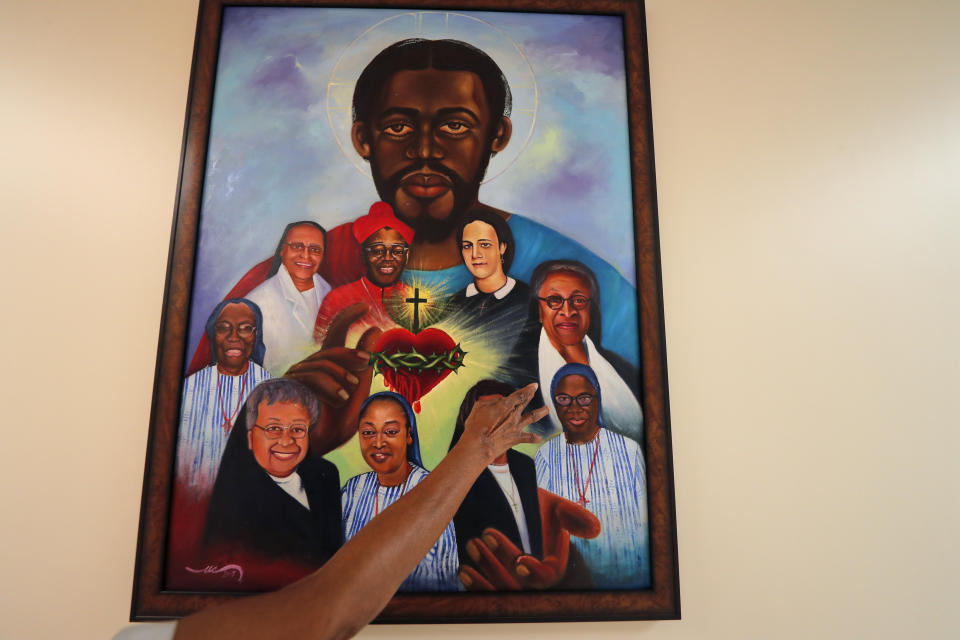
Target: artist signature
point(229, 571)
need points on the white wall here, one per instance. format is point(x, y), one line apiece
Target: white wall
point(807, 157)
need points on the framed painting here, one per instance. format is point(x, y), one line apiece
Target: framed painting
point(385, 212)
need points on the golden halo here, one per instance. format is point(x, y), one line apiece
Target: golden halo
point(434, 25)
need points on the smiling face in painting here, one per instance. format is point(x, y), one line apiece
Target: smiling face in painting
point(576, 403)
point(303, 258)
point(384, 437)
point(233, 338)
point(568, 324)
point(279, 457)
point(385, 253)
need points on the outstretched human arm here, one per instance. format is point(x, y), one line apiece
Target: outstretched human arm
point(340, 598)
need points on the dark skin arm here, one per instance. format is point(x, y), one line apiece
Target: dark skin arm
point(340, 598)
point(341, 379)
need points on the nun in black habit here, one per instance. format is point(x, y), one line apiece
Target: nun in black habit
point(277, 520)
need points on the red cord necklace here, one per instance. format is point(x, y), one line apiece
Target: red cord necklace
point(228, 420)
point(376, 505)
point(576, 475)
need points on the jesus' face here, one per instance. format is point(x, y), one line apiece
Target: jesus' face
point(384, 436)
point(429, 144)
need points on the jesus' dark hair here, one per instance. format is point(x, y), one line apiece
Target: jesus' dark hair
point(416, 54)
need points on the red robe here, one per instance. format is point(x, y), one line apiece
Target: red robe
point(362, 290)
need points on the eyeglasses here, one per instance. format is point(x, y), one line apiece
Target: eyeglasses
point(378, 251)
point(275, 431)
point(577, 301)
point(244, 330)
point(315, 249)
point(564, 400)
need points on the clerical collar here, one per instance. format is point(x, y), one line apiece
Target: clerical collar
point(499, 294)
point(293, 486)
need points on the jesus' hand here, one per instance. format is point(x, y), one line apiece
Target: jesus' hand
point(501, 566)
point(341, 379)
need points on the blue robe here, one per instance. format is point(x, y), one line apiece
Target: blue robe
point(617, 494)
point(438, 569)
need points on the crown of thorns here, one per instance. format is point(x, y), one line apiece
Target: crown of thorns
point(413, 360)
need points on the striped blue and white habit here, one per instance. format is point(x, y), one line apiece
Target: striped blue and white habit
point(617, 494)
point(202, 438)
point(438, 569)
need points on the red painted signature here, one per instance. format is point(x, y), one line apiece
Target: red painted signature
point(229, 571)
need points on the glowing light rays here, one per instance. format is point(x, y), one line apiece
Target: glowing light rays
point(430, 311)
point(490, 355)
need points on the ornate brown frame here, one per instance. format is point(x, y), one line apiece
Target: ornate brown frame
point(151, 602)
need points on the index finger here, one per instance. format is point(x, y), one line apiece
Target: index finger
point(502, 547)
point(488, 564)
point(510, 406)
point(523, 395)
point(514, 421)
point(516, 429)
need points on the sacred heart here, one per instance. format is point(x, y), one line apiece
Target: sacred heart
point(413, 364)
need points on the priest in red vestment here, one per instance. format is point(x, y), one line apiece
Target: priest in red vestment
point(385, 246)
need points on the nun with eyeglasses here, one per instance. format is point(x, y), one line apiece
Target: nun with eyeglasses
point(605, 473)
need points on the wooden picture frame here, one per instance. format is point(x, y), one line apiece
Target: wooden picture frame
point(189, 279)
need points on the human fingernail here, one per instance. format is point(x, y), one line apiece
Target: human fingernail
point(343, 394)
point(465, 579)
point(472, 551)
point(491, 541)
point(522, 571)
point(363, 355)
point(352, 379)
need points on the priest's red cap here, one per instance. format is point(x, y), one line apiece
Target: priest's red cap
point(380, 216)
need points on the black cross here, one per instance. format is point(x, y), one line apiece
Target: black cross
point(416, 300)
